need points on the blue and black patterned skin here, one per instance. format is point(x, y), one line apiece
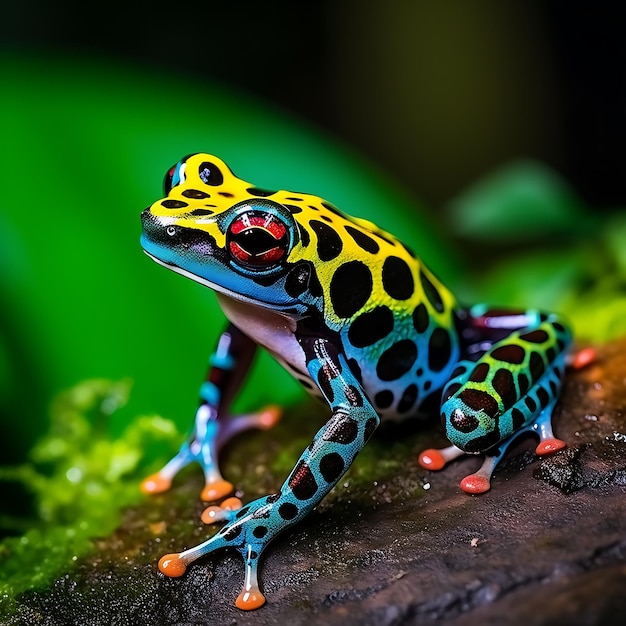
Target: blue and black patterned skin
point(360, 321)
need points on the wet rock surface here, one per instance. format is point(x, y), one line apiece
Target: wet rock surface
point(393, 544)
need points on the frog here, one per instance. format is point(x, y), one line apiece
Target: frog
point(354, 315)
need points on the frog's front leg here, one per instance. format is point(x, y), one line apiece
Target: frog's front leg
point(512, 387)
point(250, 529)
point(214, 425)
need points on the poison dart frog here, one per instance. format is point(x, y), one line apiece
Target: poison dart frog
point(354, 315)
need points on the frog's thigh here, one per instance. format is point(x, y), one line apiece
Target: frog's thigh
point(507, 389)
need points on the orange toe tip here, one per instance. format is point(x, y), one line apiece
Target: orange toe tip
point(217, 490)
point(172, 565)
point(431, 459)
point(212, 514)
point(474, 484)
point(583, 358)
point(270, 416)
point(549, 446)
point(155, 484)
point(232, 504)
point(250, 600)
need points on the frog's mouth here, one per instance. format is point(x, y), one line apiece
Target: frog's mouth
point(234, 295)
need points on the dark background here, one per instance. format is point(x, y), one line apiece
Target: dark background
point(438, 94)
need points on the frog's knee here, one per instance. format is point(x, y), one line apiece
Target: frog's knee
point(471, 431)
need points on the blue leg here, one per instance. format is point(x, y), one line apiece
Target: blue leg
point(214, 426)
point(250, 529)
point(511, 387)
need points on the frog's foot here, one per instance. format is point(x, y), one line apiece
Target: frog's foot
point(213, 514)
point(248, 533)
point(542, 426)
point(582, 358)
point(436, 459)
point(211, 434)
point(480, 481)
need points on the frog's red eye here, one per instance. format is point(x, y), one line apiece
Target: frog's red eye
point(257, 239)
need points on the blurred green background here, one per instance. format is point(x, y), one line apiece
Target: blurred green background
point(393, 112)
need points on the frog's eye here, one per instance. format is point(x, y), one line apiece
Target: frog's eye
point(257, 239)
point(174, 176)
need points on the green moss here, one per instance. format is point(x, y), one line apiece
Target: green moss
point(81, 477)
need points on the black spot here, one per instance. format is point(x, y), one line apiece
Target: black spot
point(462, 422)
point(327, 219)
point(354, 396)
point(458, 370)
point(370, 427)
point(226, 194)
point(431, 292)
point(504, 385)
point(253, 554)
point(315, 288)
point(480, 444)
point(396, 360)
point(523, 383)
point(535, 336)
point(294, 198)
point(260, 531)
point(550, 354)
point(302, 482)
point(397, 278)
point(174, 204)
point(196, 194)
point(451, 389)
point(427, 385)
point(210, 174)
point(383, 399)
point(261, 193)
point(480, 372)
point(510, 353)
point(558, 326)
point(297, 279)
point(272, 498)
point(480, 401)
point(408, 399)
point(530, 403)
point(518, 418)
point(344, 430)
point(329, 244)
point(232, 533)
point(370, 327)
point(420, 318)
point(331, 466)
point(537, 366)
point(324, 377)
point(355, 369)
point(439, 349)
point(350, 288)
point(553, 388)
point(543, 396)
point(287, 510)
point(293, 208)
point(362, 240)
point(200, 212)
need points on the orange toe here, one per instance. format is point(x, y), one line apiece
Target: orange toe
point(172, 565)
point(270, 416)
point(549, 446)
point(216, 491)
point(155, 484)
point(431, 459)
point(475, 484)
point(250, 600)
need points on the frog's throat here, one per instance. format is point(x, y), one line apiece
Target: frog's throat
point(223, 290)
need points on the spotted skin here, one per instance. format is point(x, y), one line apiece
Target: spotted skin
point(361, 322)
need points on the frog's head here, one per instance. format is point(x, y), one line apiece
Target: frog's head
point(222, 232)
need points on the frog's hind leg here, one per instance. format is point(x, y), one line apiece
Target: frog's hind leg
point(214, 426)
point(512, 387)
